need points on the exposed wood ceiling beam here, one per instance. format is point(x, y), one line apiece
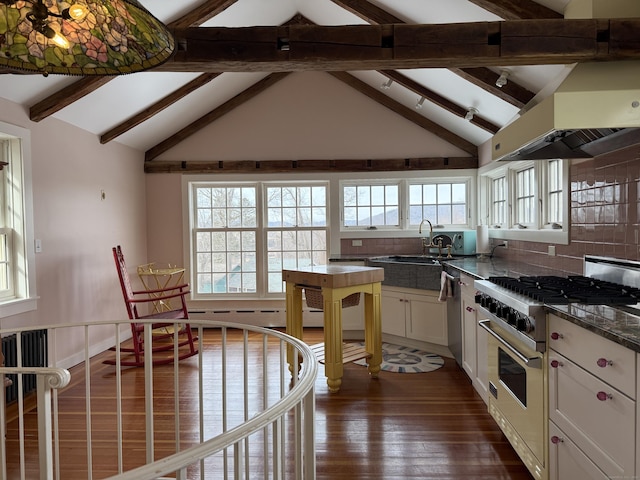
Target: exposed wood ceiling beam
point(384, 47)
point(288, 166)
point(86, 85)
point(214, 114)
point(514, 93)
point(201, 14)
point(368, 12)
point(486, 79)
point(517, 9)
point(157, 107)
point(408, 113)
point(439, 100)
point(66, 97)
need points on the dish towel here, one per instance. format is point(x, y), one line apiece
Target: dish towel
point(446, 286)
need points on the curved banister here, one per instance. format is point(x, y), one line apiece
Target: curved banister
point(298, 398)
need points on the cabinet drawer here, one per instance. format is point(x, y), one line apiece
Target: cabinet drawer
point(567, 461)
point(599, 419)
point(607, 360)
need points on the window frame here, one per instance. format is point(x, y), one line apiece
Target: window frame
point(541, 230)
point(261, 230)
point(404, 203)
point(17, 216)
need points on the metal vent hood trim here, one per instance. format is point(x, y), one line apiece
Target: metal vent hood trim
point(596, 109)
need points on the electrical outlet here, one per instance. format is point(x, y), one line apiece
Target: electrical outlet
point(506, 244)
point(552, 250)
point(356, 243)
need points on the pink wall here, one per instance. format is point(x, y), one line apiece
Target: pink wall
point(75, 273)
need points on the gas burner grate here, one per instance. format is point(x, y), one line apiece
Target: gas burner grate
point(555, 290)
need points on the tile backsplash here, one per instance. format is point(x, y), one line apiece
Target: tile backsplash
point(604, 213)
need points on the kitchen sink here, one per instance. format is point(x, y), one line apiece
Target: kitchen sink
point(429, 259)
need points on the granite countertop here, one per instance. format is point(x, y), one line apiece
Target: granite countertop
point(609, 322)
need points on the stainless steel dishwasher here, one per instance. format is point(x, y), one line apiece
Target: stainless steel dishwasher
point(454, 315)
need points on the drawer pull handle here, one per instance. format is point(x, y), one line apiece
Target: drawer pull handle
point(603, 362)
point(556, 440)
point(556, 336)
point(469, 309)
point(603, 396)
point(555, 364)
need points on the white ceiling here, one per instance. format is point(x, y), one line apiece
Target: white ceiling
point(97, 112)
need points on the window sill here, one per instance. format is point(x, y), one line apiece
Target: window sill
point(18, 306)
point(528, 235)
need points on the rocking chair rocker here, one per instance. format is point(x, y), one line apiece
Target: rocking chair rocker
point(133, 298)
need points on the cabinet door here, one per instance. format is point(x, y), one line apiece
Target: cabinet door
point(481, 382)
point(597, 417)
point(567, 461)
point(469, 327)
point(393, 312)
point(427, 319)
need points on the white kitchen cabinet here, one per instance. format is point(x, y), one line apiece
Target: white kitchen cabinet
point(474, 339)
point(414, 314)
point(591, 403)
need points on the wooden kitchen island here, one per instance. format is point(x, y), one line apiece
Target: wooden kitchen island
point(336, 283)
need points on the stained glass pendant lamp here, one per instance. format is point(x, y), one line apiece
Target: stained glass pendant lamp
point(81, 37)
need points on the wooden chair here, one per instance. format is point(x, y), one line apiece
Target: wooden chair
point(163, 339)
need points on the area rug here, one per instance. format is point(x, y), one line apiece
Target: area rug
point(399, 359)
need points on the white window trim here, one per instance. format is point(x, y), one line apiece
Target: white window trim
point(189, 185)
point(542, 234)
point(403, 202)
point(25, 298)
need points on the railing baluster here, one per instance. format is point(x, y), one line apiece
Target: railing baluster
point(270, 395)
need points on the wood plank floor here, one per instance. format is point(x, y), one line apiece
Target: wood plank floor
point(399, 426)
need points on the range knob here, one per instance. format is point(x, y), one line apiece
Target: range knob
point(524, 324)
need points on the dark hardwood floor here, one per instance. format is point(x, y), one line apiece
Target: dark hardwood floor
point(399, 426)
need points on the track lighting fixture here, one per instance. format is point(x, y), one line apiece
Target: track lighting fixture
point(470, 114)
point(420, 102)
point(502, 79)
point(386, 85)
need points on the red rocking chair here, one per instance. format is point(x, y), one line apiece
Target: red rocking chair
point(132, 299)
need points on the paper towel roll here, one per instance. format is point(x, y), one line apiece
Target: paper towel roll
point(482, 239)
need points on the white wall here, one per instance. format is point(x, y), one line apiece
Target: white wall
point(76, 277)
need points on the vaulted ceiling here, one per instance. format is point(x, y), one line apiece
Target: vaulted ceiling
point(442, 55)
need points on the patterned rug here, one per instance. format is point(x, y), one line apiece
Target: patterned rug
point(399, 359)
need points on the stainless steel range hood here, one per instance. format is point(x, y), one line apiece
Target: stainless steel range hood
point(595, 110)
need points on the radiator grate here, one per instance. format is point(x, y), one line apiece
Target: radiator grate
point(34, 354)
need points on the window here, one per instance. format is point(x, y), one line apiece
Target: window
point(527, 200)
point(370, 205)
point(230, 225)
point(499, 201)
point(442, 203)
point(367, 205)
point(296, 230)
point(17, 263)
point(554, 193)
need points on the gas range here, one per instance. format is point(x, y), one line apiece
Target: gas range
point(517, 304)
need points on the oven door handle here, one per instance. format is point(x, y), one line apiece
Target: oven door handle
point(533, 362)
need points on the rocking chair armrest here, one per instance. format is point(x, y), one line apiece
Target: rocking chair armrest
point(165, 289)
point(159, 297)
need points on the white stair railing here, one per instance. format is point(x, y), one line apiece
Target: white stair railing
point(244, 404)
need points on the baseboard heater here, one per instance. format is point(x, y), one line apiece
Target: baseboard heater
point(34, 354)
